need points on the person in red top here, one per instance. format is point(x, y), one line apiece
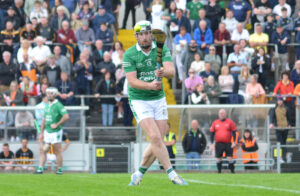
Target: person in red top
point(221, 131)
point(222, 37)
point(66, 36)
point(285, 86)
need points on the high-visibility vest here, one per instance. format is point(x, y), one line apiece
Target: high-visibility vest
point(234, 149)
point(249, 156)
point(169, 139)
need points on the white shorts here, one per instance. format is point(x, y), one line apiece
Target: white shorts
point(51, 157)
point(53, 138)
point(156, 109)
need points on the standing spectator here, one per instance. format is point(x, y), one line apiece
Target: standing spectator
point(105, 35)
point(261, 10)
point(40, 53)
point(193, 8)
point(295, 74)
point(65, 90)
point(198, 64)
point(212, 90)
point(157, 11)
point(103, 67)
point(170, 142)
point(207, 72)
point(203, 36)
point(239, 33)
point(57, 19)
point(286, 21)
point(24, 154)
point(6, 117)
point(255, 91)
point(130, 6)
point(29, 91)
point(11, 16)
point(98, 52)
point(278, 7)
point(199, 96)
point(269, 26)
point(241, 11)
point(7, 155)
point(62, 61)
point(221, 37)
point(19, 10)
point(45, 30)
point(280, 118)
point(181, 20)
point(13, 96)
point(188, 56)
point(249, 150)
point(222, 130)
point(24, 123)
point(116, 6)
point(202, 16)
point(230, 21)
point(285, 87)
point(38, 11)
point(226, 83)
point(102, 17)
point(85, 36)
point(10, 38)
point(214, 14)
point(194, 144)
point(52, 71)
point(259, 39)
point(106, 87)
point(8, 71)
point(213, 59)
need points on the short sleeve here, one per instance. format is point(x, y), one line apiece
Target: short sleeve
point(128, 63)
point(212, 128)
point(62, 110)
point(166, 55)
point(233, 126)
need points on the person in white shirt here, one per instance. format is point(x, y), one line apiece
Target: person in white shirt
point(40, 53)
point(199, 96)
point(239, 33)
point(278, 7)
point(38, 12)
point(25, 48)
point(230, 22)
point(198, 64)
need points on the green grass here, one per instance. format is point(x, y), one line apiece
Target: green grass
point(152, 184)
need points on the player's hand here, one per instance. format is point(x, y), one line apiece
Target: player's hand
point(53, 126)
point(155, 85)
point(212, 147)
point(160, 72)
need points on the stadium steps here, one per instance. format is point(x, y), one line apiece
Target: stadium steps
point(126, 36)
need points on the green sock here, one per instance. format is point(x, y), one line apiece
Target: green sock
point(143, 169)
point(59, 169)
point(170, 170)
point(40, 168)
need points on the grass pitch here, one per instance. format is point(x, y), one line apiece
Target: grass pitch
point(152, 184)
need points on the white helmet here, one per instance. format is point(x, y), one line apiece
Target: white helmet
point(52, 90)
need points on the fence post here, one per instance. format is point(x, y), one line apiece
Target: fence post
point(5, 126)
point(278, 158)
point(268, 140)
point(91, 150)
point(298, 118)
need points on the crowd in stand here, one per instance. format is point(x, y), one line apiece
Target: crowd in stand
point(69, 44)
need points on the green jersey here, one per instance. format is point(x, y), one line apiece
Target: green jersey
point(194, 9)
point(53, 114)
point(134, 59)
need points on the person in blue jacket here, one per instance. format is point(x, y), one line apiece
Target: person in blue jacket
point(203, 36)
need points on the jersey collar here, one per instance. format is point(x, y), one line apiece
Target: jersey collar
point(50, 104)
point(138, 47)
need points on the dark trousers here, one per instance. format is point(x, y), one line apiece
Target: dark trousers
point(281, 136)
point(128, 116)
point(128, 8)
point(236, 82)
point(251, 167)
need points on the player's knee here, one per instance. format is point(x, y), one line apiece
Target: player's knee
point(155, 138)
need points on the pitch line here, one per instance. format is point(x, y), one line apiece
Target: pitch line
point(244, 186)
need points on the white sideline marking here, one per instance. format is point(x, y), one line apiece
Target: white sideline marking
point(244, 186)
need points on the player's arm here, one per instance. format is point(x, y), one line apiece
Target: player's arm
point(167, 70)
point(64, 119)
point(134, 82)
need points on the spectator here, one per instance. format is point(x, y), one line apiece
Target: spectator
point(269, 26)
point(8, 71)
point(244, 79)
point(297, 23)
point(193, 8)
point(296, 92)
point(102, 17)
point(40, 53)
point(39, 112)
point(261, 65)
point(249, 150)
point(286, 21)
point(297, 40)
point(241, 11)
point(130, 6)
point(28, 33)
point(295, 73)
point(45, 30)
point(75, 22)
point(221, 37)
point(188, 56)
point(6, 117)
point(106, 87)
point(24, 154)
point(171, 14)
point(194, 144)
point(202, 16)
point(25, 48)
point(230, 22)
point(157, 11)
point(19, 11)
point(52, 71)
point(285, 87)
point(222, 131)
point(213, 59)
point(203, 36)
point(59, 3)
point(85, 36)
point(57, 19)
point(226, 83)
point(278, 7)
point(66, 36)
point(24, 123)
point(103, 67)
point(259, 39)
point(214, 14)
point(71, 5)
point(239, 33)
point(7, 155)
point(86, 13)
point(261, 10)
point(43, 85)
point(181, 20)
point(207, 72)
point(170, 142)
point(192, 81)
point(105, 35)
point(98, 52)
point(280, 118)
point(65, 90)
point(11, 16)
point(246, 51)
point(198, 64)
point(13, 96)
point(38, 11)
point(117, 54)
point(10, 38)
point(62, 61)
point(255, 91)
point(212, 90)
point(116, 6)
point(29, 91)
point(199, 96)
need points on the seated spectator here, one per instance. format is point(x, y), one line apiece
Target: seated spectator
point(66, 36)
point(261, 65)
point(249, 150)
point(230, 22)
point(226, 83)
point(62, 61)
point(199, 96)
point(45, 30)
point(117, 54)
point(170, 17)
point(269, 26)
point(10, 37)
point(192, 81)
point(24, 123)
point(103, 67)
point(7, 155)
point(98, 52)
point(259, 39)
point(6, 117)
point(239, 33)
point(198, 64)
point(102, 17)
point(297, 23)
point(286, 21)
point(188, 56)
point(106, 87)
point(221, 38)
point(66, 5)
point(38, 12)
point(85, 36)
point(212, 90)
point(277, 9)
point(241, 11)
point(203, 36)
point(295, 73)
point(246, 51)
point(13, 97)
point(213, 59)
point(261, 10)
point(28, 69)
point(39, 112)
point(23, 155)
point(105, 35)
point(193, 8)
point(11, 16)
point(52, 71)
point(29, 91)
point(40, 53)
point(28, 33)
point(244, 79)
point(202, 16)
point(256, 91)
point(86, 13)
point(35, 23)
point(65, 90)
point(181, 20)
point(75, 22)
point(25, 48)
point(285, 87)
point(8, 71)
point(207, 72)
point(194, 144)
point(214, 13)
point(56, 20)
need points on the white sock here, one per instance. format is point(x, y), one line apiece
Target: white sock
point(171, 173)
point(140, 174)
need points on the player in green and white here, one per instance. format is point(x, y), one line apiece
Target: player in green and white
point(147, 99)
point(51, 131)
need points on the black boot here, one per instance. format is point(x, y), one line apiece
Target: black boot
point(219, 166)
point(231, 167)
